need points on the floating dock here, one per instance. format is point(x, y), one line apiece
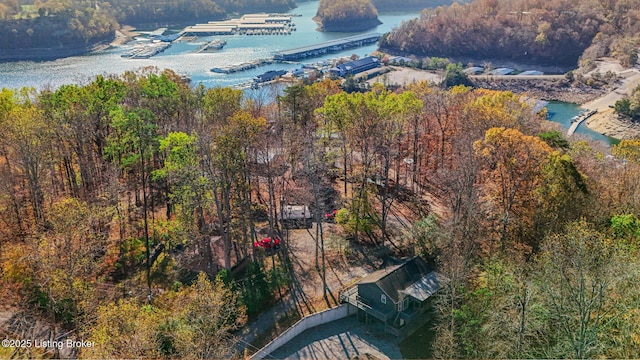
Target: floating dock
point(328, 47)
point(249, 24)
point(577, 120)
point(240, 67)
point(212, 46)
point(146, 51)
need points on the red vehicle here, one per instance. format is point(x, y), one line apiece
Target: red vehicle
point(330, 216)
point(267, 243)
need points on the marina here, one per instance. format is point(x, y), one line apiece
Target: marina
point(328, 47)
point(248, 24)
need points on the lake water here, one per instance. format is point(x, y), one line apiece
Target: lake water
point(562, 112)
point(181, 57)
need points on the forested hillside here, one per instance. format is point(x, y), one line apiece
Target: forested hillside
point(113, 195)
point(539, 32)
point(148, 11)
point(55, 24)
point(391, 5)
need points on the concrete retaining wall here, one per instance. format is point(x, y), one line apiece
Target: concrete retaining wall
point(303, 324)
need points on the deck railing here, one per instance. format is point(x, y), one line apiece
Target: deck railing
point(351, 296)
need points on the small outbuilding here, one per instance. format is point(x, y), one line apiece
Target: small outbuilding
point(296, 217)
point(531, 72)
point(473, 70)
point(501, 71)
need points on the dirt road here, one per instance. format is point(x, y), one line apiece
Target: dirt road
point(605, 121)
point(307, 295)
point(630, 79)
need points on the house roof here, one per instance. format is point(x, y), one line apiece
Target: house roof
point(356, 64)
point(217, 250)
point(410, 278)
point(424, 287)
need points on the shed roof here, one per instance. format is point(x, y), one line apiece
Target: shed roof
point(531, 72)
point(295, 212)
point(473, 70)
point(501, 71)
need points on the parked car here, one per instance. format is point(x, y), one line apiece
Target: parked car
point(267, 243)
point(330, 216)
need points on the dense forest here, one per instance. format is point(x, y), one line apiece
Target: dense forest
point(540, 32)
point(112, 192)
point(56, 24)
point(392, 5)
point(153, 11)
point(350, 15)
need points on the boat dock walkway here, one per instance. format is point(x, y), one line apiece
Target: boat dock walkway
point(577, 120)
point(328, 46)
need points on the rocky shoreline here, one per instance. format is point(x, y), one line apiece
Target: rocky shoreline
point(605, 121)
point(609, 124)
point(45, 54)
point(544, 89)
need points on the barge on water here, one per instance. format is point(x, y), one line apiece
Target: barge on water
point(327, 47)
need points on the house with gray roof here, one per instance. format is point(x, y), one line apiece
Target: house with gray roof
point(355, 66)
point(395, 295)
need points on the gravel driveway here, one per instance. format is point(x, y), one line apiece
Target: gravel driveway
point(341, 339)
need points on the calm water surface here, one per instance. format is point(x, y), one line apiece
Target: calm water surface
point(181, 57)
point(562, 112)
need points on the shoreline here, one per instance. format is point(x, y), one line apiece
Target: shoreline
point(608, 124)
point(123, 35)
point(542, 87)
point(605, 121)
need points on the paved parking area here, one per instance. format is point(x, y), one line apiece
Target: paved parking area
point(342, 339)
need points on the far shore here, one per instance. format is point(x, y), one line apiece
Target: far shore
point(123, 35)
point(606, 121)
point(552, 87)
